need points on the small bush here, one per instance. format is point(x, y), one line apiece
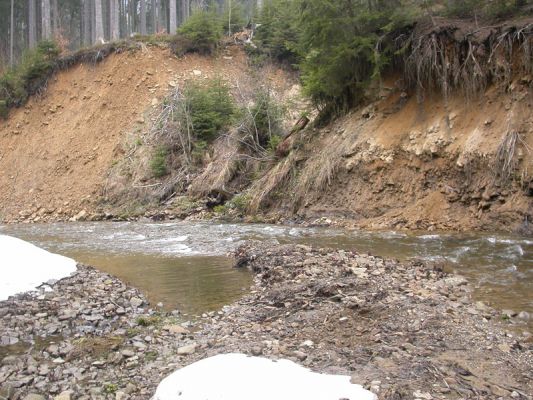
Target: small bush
point(158, 164)
point(144, 320)
point(210, 107)
point(201, 33)
point(267, 115)
point(278, 33)
point(239, 202)
point(273, 143)
point(4, 110)
point(17, 84)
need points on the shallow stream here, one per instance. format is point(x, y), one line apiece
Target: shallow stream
point(184, 265)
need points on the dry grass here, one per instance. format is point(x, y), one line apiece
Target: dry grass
point(264, 188)
point(221, 168)
point(506, 160)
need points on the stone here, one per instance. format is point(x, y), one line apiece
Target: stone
point(524, 315)
point(120, 395)
point(128, 353)
point(257, 351)
point(176, 329)
point(196, 72)
point(509, 313)
point(422, 395)
point(186, 350)
point(65, 395)
point(135, 302)
point(34, 396)
point(9, 360)
point(81, 216)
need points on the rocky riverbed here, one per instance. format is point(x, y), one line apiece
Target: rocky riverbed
point(404, 330)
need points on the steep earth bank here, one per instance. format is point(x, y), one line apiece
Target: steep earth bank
point(407, 160)
point(402, 330)
point(401, 163)
point(58, 151)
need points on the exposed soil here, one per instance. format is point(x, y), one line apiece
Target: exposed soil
point(56, 152)
point(401, 164)
point(397, 163)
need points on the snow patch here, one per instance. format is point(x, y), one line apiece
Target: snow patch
point(240, 377)
point(24, 266)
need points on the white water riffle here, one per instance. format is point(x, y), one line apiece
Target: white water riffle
point(240, 377)
point(24, 266)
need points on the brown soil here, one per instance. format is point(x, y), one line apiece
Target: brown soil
point(56, 152)
point(399, 163)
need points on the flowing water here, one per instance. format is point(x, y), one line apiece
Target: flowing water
point(184, 265)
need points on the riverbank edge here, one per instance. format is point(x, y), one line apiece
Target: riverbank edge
point(230, 216)
point(113, 346)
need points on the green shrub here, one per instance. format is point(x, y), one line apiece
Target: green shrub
point(158, 163)
point(201, 33)
point(4, 111)
point(267, 116)
point(273, 143)
point(239, 202)
point(278, 33)
point(339, 40)
point(220, 209)
point(26, 78)
point(210, 108)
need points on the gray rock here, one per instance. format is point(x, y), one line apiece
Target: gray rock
point(66, 395)
point(524, 315)
point(128, 353)
point(34, 396)
point(189, 349)
point(135, 302)
point(7, 391)
point(10, 360)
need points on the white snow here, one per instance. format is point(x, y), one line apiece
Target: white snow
point(240, 377)
point(24, 266)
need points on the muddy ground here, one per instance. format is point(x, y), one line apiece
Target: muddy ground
point(404, 330)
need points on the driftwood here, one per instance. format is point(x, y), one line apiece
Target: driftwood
point(286, 145)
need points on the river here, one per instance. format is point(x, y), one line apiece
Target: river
point(185, 266)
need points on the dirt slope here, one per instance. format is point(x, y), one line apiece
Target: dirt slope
point(55, 152)
point(402, 163)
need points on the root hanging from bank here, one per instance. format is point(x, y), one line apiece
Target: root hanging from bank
point(452, 56)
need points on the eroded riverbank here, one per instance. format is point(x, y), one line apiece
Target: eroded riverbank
point(406, 330)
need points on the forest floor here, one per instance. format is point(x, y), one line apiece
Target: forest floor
point(403, 330)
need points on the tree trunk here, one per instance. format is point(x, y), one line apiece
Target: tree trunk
point(12, 33)
point(172, 17)
point(32, 24)
point(47, 30)
point(98, 22)
point(86, 22)
point(143, 17)
point(229, 17)
point(56, 20)
point(154, 16)
point(114, 20)
point(185, 10)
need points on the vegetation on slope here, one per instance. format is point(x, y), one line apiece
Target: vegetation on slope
point(341, 48)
